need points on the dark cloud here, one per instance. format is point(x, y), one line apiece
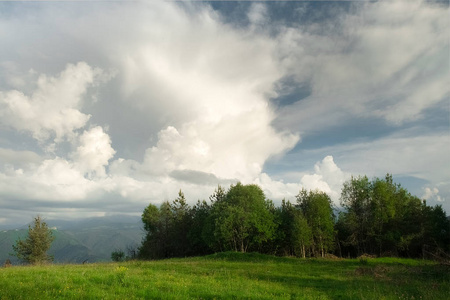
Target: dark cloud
point(200, 178)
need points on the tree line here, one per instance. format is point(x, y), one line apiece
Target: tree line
point(378, 217)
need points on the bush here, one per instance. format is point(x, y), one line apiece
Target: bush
point(118, 255)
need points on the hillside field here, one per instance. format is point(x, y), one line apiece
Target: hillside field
point(231, 276)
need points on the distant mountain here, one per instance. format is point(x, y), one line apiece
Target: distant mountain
point(90, 240)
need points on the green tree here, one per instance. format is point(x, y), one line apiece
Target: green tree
point(383, 218)
point(150, 218)
point(181, 224)
point(158, 223)
point(434, 238)
point(316, 208)
point(200, 214)
point(355, 199)
point(167, 229)
point(209, 233)
point(34, 248)
point(242, 220)
point(384, 194)
point(302, 236)
point(293, 234)
point(150, 247)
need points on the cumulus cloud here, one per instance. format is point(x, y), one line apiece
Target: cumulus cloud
point(233, 148)
point(277, 190)
point(53, 114)
point(198, 91)
point(205, 87)
point(94, 152)
point(326, 176)
point(53, 180)
point(52, 110)
point(432, 193)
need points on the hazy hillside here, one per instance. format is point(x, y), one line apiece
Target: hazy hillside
point(90, 239)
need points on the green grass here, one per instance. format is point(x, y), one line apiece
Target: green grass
point(231, 276)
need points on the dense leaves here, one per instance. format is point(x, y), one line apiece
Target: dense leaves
point(377, 217)
point(316, 207)
point(242, 221)
point(382, 218)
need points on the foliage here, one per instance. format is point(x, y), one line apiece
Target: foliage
point(34, 248)
point(167, 229)
point(293, 235)
point(199, 242)
point(237, 219)
point(318, 212)
point(231, 276)
point(118, 256)
point(121, 273)
point(379, 218)
point(242, 220)
point(382, 218)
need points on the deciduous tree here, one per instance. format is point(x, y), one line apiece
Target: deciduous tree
point(242, 220)
point(317, 209)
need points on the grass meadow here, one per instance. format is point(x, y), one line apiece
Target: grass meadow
point(231, 276)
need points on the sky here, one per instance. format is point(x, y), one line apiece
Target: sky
point(107, 106)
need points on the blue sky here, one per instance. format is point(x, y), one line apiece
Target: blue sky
point(108, 106)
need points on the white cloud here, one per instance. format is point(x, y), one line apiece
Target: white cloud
point(52, 114)
point(53, 180)
point(205, 87)
point(385, 59)
point(233, 148)
point(53, 108)
point(203, 69)
point(277, 190)
point(258, 14)
point(328, 177)
point(94, 152)
point(201, 90)
point(432, 193)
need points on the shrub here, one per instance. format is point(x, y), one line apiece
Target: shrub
point(118, 255)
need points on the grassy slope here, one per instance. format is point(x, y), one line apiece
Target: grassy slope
point(230, 276)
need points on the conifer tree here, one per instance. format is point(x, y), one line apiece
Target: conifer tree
point(34, 248)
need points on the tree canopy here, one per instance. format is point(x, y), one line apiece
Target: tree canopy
point(382, 218)
point(376, 217)
point(242, 221)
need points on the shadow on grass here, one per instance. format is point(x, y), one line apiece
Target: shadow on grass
point(247, 257)
point(348, 279)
